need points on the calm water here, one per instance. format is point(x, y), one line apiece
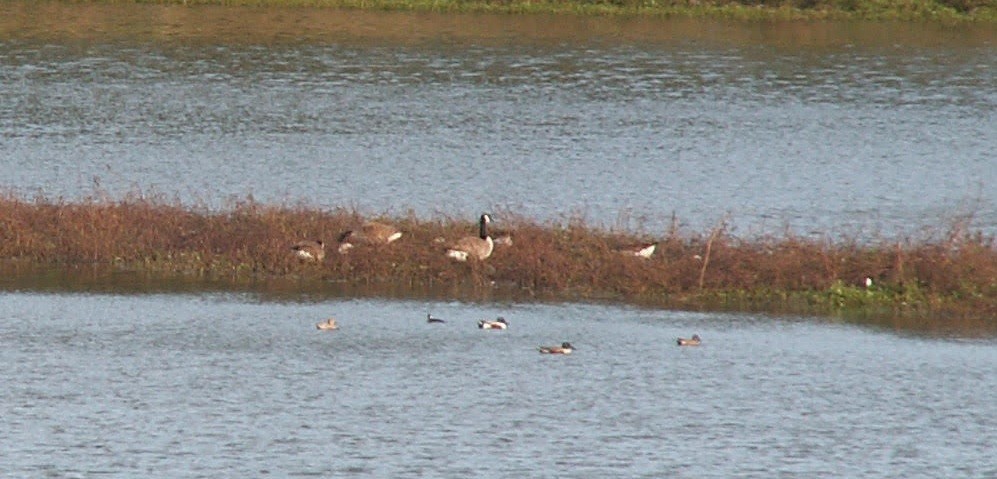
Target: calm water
point(833, 128)
point(215, 385)
point(821, 127)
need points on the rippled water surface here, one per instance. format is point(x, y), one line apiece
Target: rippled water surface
point(821, 127)
point(216, 385)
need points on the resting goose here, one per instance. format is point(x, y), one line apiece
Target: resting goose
point(640, 250)
point(476, 247)
point(502, 238)
point(309, 250)
point(369, 233)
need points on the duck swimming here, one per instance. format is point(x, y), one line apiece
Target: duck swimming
point(693, 341)
point(564, 348)
point(499, 323)
point(327, 325)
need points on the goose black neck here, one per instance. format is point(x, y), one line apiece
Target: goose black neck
point(483, 228)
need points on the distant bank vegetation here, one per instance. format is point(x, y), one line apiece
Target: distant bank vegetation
point(948, 274)
point(944, 10)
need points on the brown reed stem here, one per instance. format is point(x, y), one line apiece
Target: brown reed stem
point(722, 225)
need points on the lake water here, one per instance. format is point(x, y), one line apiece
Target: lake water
point(858, 129)
point(825, 128)
point(237, 385)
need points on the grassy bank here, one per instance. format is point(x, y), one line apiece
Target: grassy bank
point(935, 10)
point(953, 273)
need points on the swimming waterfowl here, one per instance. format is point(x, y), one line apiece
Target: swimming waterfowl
point(499, 323)
point(693, 341)
point(370, 233)
point(477, 247)
point(564, 348)
point(431, 319)
point(327, 325)
point(309, 250)
point(640, 250)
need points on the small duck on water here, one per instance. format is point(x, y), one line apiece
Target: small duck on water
point(564, 348)
point(499, 323)
point(693, 341)
point(327, 325)
point(431, 319)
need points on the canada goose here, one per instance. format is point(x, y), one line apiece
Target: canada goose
point(309, 250)
point(477, 247)
point(327, 325)
point(693, 341)
point(499, 323)
point(641, 250)
point(370, 233)
point(564, 348)
point(431, 319)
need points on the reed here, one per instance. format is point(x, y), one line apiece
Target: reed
point(951, 271)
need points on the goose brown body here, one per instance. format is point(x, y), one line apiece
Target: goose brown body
point(308, 250)
point(370, 233)
point(475, 247)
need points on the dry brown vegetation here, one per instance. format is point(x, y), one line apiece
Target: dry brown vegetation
point(952, 272)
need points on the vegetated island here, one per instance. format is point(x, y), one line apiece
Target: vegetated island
point(907, 10)
point(948, 276)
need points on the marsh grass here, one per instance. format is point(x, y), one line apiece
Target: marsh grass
point(952, 270)
point(941, 10)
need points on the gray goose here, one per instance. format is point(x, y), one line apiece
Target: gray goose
point(308, 250)
point(370, 233)
point(477, 247)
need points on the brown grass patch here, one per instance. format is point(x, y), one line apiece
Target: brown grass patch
point(955, 271)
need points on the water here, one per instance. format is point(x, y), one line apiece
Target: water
point(229, 385)
point(876, 128)
point(857, 129)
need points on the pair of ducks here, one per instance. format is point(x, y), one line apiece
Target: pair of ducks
point(500, 323)
point(373, 233)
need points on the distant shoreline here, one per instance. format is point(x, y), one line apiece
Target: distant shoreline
point(952, 274)
point(745, 10)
